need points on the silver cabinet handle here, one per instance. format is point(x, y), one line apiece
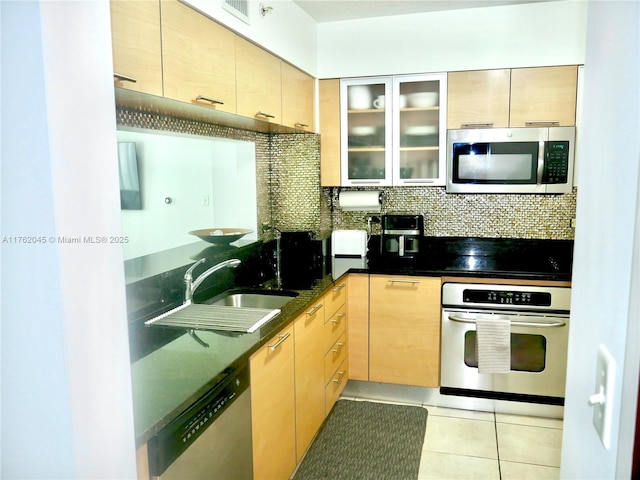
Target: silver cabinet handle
point(541, 123)
point(125, 78)
point(515, 323)
point(477, 125)
point(337, 318)
point(339, 348)
point(337, 288)
point(265, 115)
point(300, 125)
point(340, 376)
point(314, 309)
point(200, 98)
point(399, 280)
point(281, 338)
point(405, 181)
point(365, 181)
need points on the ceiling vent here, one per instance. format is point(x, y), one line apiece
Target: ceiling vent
point(239, 8)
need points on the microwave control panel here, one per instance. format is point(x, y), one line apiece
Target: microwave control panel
point(556, 162)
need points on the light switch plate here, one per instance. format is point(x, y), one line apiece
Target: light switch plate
point(602, 400)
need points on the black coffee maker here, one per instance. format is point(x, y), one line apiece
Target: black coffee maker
point(401, 235)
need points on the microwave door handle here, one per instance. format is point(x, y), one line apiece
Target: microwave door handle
point(401, 245)
point(515, 322)
point(541, 152)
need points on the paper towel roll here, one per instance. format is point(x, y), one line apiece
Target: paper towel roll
point(359, 200)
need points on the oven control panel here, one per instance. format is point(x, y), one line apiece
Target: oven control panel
point(506, 297)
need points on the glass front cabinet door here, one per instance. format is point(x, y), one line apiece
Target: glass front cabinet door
point(365, 109)
point(395, 130)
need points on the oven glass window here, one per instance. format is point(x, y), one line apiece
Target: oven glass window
point(528, 352)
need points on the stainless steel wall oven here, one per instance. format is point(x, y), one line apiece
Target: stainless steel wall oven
point(537, 323)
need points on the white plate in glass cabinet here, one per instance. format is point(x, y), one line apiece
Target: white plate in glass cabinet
point(393, 129)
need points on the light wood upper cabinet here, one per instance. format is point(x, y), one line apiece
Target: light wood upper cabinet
point(258, 82)
point(273, 408)
point(544, 95)
point(135, 32)
point(519, 97)
point(329, 100)
point(478, 97)
point(404, 330)
point(298, 98)
point(198, 57)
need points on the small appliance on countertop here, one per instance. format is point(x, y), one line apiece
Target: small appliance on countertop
point(348, 250)
point(301, 259)
point(402, 235)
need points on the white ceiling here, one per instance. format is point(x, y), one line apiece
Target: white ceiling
point(336, 10)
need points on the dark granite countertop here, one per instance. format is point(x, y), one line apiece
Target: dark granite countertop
point(171, 377)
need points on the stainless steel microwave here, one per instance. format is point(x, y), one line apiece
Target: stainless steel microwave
point(510, 160)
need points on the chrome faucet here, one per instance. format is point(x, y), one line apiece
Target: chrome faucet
point(191, 284)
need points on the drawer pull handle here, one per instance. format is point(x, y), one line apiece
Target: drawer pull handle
point(125, 78)
point(541, 123)
point(337, 318)
point(339, 348)
point(314, 309)
point(265, 115)
point(397, 280)
point(337, 288)
point(477, 125)
point(281, 338)
point(200, 98)
point(300, 125)
point(340, 377)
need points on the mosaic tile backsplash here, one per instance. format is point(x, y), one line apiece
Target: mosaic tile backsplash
point(290, 197)
point(486, 215)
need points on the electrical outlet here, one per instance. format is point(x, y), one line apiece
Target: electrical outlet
point(573, 223)
point(602, 400)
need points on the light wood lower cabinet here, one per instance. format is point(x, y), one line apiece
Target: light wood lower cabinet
point(358, 326)
point(309, 367)
point(273, 408)
point(404, 330)
point(137, 53)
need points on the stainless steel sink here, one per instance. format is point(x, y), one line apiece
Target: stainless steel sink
point(253, 298)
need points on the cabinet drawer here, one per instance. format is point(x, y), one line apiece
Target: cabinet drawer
point(335, 298)
point(336, 385)
point(334, 357)
point(335, 326)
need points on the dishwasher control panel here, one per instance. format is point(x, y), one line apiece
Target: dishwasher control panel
point(170, 442)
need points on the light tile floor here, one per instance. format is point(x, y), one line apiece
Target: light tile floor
point(461, 444)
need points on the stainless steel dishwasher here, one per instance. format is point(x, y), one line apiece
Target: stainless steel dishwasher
point(211, 440)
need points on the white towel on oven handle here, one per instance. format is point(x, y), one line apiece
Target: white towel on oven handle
point(493, 345)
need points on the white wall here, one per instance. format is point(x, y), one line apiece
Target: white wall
point(547, 33)
point(287, 31)
point(211, 183)
point(604, 309)
point(66, 395)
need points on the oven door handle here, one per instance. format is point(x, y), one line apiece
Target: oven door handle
point(514, 321)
